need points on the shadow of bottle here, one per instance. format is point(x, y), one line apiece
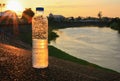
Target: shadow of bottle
point(41, 74)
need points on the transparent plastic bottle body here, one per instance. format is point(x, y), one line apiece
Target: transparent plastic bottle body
point(40, 27)
point(40, 41)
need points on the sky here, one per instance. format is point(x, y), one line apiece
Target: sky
point(68, 8)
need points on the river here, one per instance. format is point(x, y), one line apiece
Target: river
point(100, 46)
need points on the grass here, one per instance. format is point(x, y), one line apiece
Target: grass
point(55, 52)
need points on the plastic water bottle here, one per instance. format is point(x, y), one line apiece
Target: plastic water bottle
point(39, 39)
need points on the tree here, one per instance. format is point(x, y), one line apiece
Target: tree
point(51, 18)
point(78, 18)
point(27, 15)
point(100, 15)
point(10, 21)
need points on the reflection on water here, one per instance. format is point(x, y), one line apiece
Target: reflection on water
point(97, 45)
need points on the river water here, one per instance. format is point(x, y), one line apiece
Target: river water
point(100, 46)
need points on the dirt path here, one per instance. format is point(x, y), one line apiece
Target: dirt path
point(15, 65)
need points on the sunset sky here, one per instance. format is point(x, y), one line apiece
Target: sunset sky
point(67, 8)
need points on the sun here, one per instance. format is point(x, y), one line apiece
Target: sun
point(14, 5)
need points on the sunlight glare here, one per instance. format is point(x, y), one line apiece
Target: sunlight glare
point(15, 6)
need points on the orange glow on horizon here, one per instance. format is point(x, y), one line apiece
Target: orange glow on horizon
point(75, 8)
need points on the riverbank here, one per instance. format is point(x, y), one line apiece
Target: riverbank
point(55, 52)
point(91, 44)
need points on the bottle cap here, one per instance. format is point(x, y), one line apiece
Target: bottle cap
point(39, 9)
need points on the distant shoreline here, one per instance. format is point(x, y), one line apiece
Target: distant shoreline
point(60, 25)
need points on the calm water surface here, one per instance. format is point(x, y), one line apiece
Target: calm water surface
point(100, 46)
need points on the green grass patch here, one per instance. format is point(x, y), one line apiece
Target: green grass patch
point(55, 52)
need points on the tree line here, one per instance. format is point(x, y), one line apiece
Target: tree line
point(100, 21)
